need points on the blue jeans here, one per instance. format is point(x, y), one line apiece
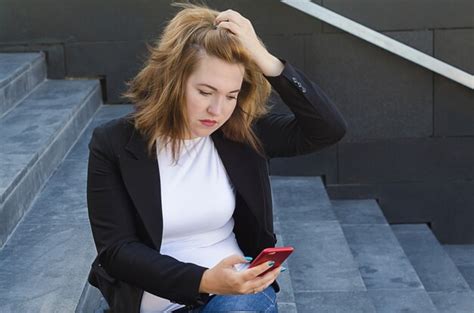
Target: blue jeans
point(264, 301)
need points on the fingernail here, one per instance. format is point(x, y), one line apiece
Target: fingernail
point(271, 263)
point(248, 258)
point(283, 269)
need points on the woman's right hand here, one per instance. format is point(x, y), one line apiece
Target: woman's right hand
point(223, 279)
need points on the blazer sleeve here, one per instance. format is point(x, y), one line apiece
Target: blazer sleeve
point(315, 123)
point(121, 252)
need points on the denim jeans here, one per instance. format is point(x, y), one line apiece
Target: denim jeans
point(264, 301)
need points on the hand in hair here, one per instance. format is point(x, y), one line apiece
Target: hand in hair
point(223, 279)
point(243, 29)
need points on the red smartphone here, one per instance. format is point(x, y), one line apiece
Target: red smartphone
point(277, 254)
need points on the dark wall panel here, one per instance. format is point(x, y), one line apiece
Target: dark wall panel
point(380, 94)
point(417, 39)
point(131, 20)
point(288, 47)
point(116, 61)
point(321, 163)
point(405, 160)
point(82, 20)
point(421, 40)
point(453, 108)
point(271, 17)
point(405, 15)
point(453, 103)
point(456, 47)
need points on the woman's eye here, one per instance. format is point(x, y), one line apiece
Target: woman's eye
point(231, 98)
point(204, 93)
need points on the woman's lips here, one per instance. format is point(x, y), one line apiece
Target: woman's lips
point(208, 123)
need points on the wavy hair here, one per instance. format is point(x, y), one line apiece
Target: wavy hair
point(158, 90)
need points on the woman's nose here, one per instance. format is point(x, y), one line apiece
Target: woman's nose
point(215, 108)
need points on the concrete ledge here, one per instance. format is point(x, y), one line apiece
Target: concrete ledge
point(20, 73)
point(286, 294)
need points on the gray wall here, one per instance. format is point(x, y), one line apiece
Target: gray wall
point(410, 142)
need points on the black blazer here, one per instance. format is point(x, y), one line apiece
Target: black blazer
point(123, 195)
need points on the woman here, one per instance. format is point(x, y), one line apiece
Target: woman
point(178, 192)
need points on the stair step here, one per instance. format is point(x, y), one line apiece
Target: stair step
point(334, 302)
point(306, 196)
point(440, 276)
point(285, 308)
point(382, 262)
point(402, 300)
point(286, 297)
point(19, 74)
point(322, 266)
point(358, 212)
point(45, 263)
point(36, 135)
point(456, 302)
point(322, 260)
point(463, 257)
point(434, 266)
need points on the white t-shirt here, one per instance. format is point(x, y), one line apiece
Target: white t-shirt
point(198, 202)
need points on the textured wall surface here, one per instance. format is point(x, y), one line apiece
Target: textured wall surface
point(410, 142)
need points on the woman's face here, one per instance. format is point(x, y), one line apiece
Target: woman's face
point(211, 95)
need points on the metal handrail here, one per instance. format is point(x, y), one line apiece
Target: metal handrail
point(383, 41)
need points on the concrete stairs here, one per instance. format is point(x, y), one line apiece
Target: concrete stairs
point(445, 284)
point(44, 264)
point(403, 268)
point(45, 240)
point(347, 257)
point(324, 274)
point(37, 127)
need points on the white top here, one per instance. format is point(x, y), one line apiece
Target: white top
point(198, 201)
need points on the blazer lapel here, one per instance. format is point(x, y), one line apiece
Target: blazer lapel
point(142, 179)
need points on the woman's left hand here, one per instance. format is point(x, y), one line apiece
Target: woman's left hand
point(243, 29)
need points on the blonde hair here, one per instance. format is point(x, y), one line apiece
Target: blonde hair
point(158, 90)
